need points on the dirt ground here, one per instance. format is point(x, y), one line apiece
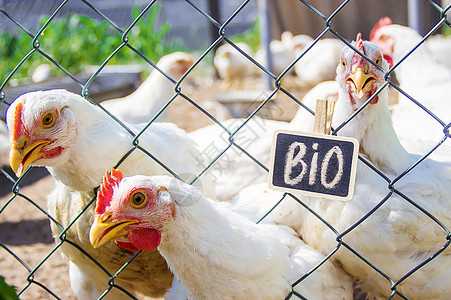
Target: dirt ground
point(24, 228)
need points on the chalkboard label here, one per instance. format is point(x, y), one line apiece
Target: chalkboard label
point(312, 164)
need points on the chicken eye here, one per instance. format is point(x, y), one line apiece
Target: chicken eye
point(138, 199)
point(343, 63)
point(48, 120)
point(378, 61)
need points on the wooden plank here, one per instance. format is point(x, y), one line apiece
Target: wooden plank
point(105, 86)
point(323, 116)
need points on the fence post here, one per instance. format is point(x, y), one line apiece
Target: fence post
point(414, 15)
point(265, 28)
point(215, 13)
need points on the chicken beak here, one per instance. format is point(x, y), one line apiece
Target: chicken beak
point(103, 229)
point(360, 82)
point(22, 154)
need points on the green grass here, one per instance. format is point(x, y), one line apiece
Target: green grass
point(250, 36)
point(77, 41)
point(7, 292)
point(446, 30)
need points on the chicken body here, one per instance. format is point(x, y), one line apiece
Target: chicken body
point(235, 170)
point(216, 253)
point(151, 96)
point(234, 166)
point(283, 53)
point(417, 137)
point(232, 65)
point(397, 236)
point(77, 141)
point(421, 76)
point(441, 47)
point(319, 63)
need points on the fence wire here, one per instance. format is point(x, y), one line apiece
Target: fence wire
point(34, 48)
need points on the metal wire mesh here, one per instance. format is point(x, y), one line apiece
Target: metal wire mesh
point(223, 36)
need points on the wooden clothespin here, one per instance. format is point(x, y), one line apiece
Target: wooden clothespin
point(323, 116)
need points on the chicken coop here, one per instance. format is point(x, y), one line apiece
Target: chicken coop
point(187, 98)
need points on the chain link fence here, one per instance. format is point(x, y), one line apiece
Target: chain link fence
point(33, 280)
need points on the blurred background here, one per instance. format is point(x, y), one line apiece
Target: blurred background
point(84, 35)
point(175, 25)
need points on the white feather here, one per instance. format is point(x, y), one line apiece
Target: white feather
point(235, 170)
point(231, 64)
point(319, 63)
point(151, 96)
point(219, 254)
point(398, 236)
point(424, 78)
point(94, 143)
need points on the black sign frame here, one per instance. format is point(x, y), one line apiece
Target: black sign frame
point(313, 164)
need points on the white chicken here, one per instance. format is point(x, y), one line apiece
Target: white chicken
point(77, 141)
point(390, 230)
point(282, 53)
point(301, 41)
point(441, 47)
point(234, 169)
point(436, 46)
point(319, 63)
point(326, 90)
point(232, 65)
point(42, 73)
point(422, 77)
point(151, 96)
point(216, 253)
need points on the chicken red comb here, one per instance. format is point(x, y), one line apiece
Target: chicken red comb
point(18, 126)
point(105, 194)
point(359, 42)
point(359, 46)
point(381, 23)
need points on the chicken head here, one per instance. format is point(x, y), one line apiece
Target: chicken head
point(360, 77)
point(39, 131)
point(176, 63)
point(131, 211)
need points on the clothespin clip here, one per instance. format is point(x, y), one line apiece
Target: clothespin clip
point(323, 116)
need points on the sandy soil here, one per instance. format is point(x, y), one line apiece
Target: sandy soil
point(25, 230)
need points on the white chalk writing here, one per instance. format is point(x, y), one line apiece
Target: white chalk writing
point(293, 160)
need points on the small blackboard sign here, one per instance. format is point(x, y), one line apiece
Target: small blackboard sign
point(313, 164)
